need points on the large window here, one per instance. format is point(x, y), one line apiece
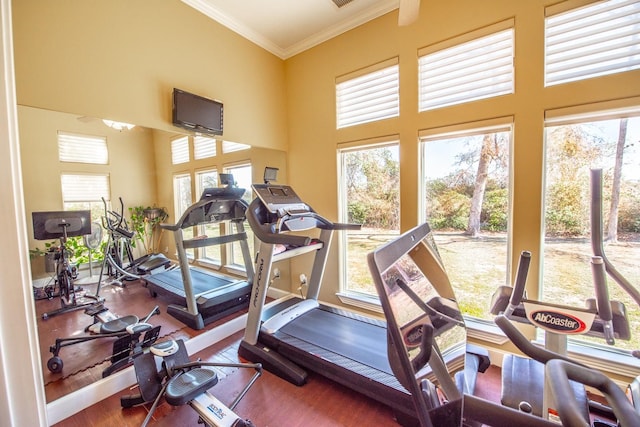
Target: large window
point(212, 254)
point(182, 199)
point(370, 196)
point(465, 185)
point(242, 174)
point(573, 147)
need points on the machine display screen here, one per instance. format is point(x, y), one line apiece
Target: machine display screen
point(276, 191)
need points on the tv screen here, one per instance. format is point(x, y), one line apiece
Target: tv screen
point(197, 113)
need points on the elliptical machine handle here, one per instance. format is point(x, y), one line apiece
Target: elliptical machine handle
point(517, 294)
point(559, 372)
point(602, 297)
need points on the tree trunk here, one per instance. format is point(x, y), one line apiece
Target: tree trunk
point(473, 227)
point(612, 227)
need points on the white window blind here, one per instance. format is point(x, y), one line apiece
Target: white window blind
point(85, 188)
point(230, 147)
point(82, 148)
point(204, 147)
point(180, 150)
point(368, 97)
point(600, 39)
point(478, 69)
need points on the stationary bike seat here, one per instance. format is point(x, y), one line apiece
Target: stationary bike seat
point(118, 325)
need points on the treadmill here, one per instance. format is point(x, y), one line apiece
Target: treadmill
point(200, 296)
point(297, 334)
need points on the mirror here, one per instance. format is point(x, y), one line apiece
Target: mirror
point(427, 338)
point(140, 171)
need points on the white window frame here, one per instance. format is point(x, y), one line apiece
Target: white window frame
point(180, 150)
point(347, 296)
point(368, 95)
point(471, 67)
point(77, 148)
point(595, 40)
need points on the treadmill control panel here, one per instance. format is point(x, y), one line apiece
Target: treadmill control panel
point(280, 199)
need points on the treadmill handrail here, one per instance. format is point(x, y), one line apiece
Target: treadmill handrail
point(267, 229)
point(237, 212)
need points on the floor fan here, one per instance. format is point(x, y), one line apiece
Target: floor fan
point(92, 241)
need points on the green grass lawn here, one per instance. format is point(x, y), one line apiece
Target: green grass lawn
point(476, 267)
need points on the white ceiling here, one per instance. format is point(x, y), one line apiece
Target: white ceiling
point(288, 27)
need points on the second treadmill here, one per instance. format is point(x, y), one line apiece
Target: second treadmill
point(201, 296)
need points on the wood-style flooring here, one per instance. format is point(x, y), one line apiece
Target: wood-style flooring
point(270, 402)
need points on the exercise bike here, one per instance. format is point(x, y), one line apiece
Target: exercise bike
point(62, 225)
point(119, 262)
point(181, 382)
point(128, 331)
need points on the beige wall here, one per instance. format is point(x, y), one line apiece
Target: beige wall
point(120, 59)
point(131, 160)
point(314, 139)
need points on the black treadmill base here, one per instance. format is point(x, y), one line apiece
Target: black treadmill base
point(206, 316)
point(273, 362)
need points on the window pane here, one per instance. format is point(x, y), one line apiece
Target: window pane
point(466, 193)
point(592, 41)
point(243, 178)
point(478, 69)
point(209, 179)
point(204, 147)
point(231, 147)
point(182, 200)
point(370, 190)
point(180, 150)
point(85, 187)
point(371, 97)
point(82, 148)
point(571, 151)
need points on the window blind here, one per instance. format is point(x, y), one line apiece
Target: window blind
point(230, 147)
point(596, 40)
point(180, 150)
point(204, 147)
point(82, 148)
point(85, 188)
point(369, 97)
point(478, 69)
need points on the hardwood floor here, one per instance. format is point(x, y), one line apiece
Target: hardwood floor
point(270, 402)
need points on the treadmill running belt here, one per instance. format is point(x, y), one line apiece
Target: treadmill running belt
point(351, 338)
point(201, 281)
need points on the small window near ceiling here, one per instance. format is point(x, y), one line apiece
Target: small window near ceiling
point(477, 69)
point(180, 150)
point(368, 95)
point(596, 40)
point(82, 148)
point(204, 147)
point(231, 147)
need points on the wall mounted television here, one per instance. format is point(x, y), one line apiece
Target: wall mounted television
point(197, 113)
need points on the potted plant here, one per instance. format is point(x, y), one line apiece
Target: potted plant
point(144, 223)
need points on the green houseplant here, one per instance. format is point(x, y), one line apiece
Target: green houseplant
point(144, 223)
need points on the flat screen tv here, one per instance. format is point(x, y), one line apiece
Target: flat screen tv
point(197, 113)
